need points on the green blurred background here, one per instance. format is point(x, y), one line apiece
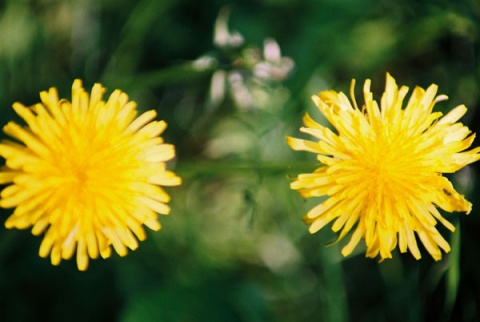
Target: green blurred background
point(234, 247)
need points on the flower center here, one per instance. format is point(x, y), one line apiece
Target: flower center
point(381, 165)
point(80, 175)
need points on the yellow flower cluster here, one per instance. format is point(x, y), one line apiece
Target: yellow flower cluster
point(382, 168)
point(88, 173)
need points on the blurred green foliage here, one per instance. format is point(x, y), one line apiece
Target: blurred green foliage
point(234, 247)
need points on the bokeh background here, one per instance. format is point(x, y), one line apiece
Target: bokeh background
point(232, 79)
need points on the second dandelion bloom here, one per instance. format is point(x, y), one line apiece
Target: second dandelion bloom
point(382, 168)
point(88, 173)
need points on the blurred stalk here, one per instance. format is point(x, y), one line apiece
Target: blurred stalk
point(175, 74)
point(453, 274)
point(143, 18)
point(401, 286)
point(334, 288)
point(189, 169)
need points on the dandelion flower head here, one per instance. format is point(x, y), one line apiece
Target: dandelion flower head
point(382, 169)
point(87, 173)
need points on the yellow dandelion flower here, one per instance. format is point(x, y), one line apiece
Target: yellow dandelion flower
point(382, 169)
point(87, 173)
